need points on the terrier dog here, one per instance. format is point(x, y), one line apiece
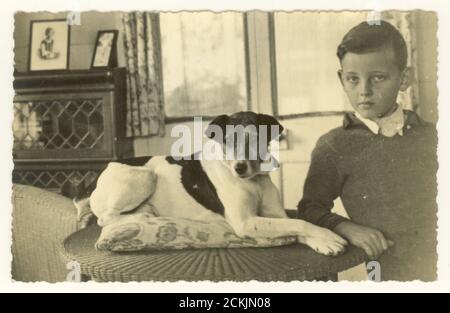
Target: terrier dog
point(237, 188)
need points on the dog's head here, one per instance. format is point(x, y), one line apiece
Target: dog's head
point(245, 139)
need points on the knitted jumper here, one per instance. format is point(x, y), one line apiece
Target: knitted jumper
point(385, 183)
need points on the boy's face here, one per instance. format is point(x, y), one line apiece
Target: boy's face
point(372, 81)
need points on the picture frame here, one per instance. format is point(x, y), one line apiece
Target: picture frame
point(49, 45)
point(105, 50)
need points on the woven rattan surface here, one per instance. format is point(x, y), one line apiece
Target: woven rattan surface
point(288, 263)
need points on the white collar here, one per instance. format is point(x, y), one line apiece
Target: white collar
point(388, 126)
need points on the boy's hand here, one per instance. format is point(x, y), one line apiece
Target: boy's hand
point(370, 240)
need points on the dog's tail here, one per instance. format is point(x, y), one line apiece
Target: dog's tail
point(84, 212)
point(80, 195)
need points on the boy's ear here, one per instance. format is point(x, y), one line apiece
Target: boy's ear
point(407, 78)
point(218, 123)
point(269, 120)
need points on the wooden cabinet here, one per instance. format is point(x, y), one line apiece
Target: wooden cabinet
point(68, 125)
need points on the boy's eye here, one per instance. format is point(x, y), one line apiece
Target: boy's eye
point(352, 79)
point(378, 78)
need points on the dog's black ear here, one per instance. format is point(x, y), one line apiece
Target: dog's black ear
point(219, 122)
point(269, 120)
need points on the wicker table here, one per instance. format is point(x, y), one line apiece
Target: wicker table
point(288, 263)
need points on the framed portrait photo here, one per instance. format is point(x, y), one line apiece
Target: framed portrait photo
point(49, 45)
point(105, 54)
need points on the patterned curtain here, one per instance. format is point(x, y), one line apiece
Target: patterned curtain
point(145, 112)
point(404, 21)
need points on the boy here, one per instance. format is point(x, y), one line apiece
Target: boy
point(382, 162)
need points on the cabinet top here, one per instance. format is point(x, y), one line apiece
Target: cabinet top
point(49, 79)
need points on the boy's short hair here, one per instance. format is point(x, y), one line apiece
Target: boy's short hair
point(365, 38)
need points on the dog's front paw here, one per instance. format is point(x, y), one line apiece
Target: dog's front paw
point(327, 243)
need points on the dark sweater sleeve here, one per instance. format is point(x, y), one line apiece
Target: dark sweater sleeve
point(323, 185)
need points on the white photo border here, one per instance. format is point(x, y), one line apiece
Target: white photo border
point(7, 68)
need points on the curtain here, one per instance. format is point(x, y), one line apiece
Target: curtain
point(145, 112)
point(405, 23)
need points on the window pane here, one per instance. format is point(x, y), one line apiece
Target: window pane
point(307, 65)
point(203, 63)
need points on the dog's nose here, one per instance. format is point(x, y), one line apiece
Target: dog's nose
point(240, 168)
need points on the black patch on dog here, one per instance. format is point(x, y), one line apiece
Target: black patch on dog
point(140, 161)
point(198, 184)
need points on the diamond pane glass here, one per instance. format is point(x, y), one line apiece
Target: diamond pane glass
point(53, 179)
point(59, 124)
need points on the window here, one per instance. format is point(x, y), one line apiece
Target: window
point(204, 63)
point(303, 84)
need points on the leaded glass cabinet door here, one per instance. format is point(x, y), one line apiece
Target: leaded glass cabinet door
point(62, 126)
point(68, 125)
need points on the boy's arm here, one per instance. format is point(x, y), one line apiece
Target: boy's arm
point(322, 186)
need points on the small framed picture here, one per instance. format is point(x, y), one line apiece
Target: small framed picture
point(105, 54)
point(49, 45)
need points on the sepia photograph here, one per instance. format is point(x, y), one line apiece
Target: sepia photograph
point(233, 146)
point(49, 45)
point(105, 49)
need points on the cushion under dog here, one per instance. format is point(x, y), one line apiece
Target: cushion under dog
point(129, 222)
point(144, 231)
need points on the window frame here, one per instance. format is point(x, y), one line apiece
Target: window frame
point(260, 70)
